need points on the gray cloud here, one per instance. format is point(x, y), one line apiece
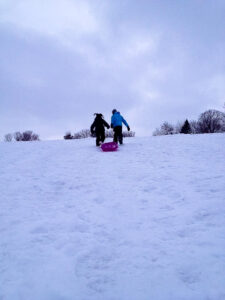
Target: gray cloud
point(153, 60)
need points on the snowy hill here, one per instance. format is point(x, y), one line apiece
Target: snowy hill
point(146, 222)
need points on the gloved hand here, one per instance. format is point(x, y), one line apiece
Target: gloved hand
point(128, 128)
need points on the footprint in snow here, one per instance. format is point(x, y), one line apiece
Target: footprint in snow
point(94, 267)
point(39, 229)
point(99, 200)
point(189, 276)
point(80, 227)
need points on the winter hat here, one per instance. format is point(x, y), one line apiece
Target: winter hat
point(98, 115)
point(114, 111)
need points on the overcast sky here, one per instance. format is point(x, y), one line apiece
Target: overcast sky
point(153, 60)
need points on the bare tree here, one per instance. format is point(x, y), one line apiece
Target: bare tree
point(165, 129)
point(128, 133)
point(27, 136)
point(8, 137)
point(211, 121)
point(85, 133)
point(109, 133)
point(35, 137)
point(177, 127)
point(194, 127)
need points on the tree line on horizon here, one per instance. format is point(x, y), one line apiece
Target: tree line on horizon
point(85, 133)
point(25, 136)
point(29, 135)
point(211, 121)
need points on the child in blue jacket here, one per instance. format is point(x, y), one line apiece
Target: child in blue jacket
point(116, 124)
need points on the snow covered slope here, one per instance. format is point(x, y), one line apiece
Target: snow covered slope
point(144, 223)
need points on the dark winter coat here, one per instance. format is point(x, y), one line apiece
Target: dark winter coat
point(99, 124)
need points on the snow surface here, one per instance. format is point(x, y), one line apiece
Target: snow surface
point(146, 222)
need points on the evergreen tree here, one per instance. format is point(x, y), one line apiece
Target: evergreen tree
point(186, 128)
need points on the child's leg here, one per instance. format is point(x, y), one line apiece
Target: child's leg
point(120, 134)
point(98, 138)
point(103, 137)
point(115, 137)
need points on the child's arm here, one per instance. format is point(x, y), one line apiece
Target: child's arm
point(124, 122)
point(106, 124)
point(112, 121)
point(92, 127)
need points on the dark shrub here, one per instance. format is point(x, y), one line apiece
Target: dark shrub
point(68, 136)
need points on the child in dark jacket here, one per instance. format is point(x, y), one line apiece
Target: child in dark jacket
point(98, 128)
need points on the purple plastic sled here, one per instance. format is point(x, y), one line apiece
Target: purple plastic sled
point(112, 146)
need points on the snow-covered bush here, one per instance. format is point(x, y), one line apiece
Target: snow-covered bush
point(29, 136)
point(128, 134)
point(194, 127)
point(177, 127)
point(8, 137)
point(85, 133)
point(35, 137)
point(18, 136)
point(26, 136)
point(110, 133)
point(165, 129)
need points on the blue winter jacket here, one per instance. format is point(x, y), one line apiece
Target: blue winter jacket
point(117, 120)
